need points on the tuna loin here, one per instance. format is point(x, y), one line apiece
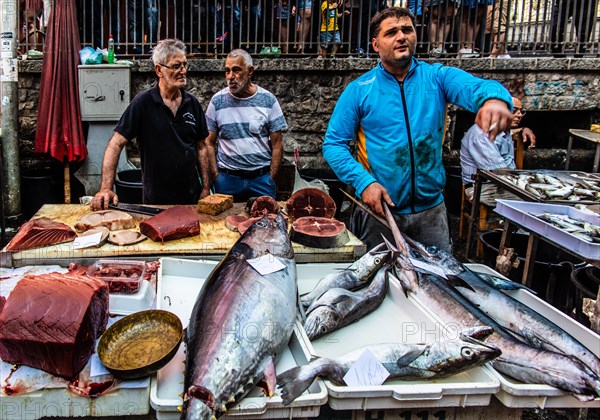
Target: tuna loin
point(173, 223)
point(41, 232)
point(51, 322)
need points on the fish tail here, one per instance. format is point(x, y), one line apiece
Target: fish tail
point(296, 380)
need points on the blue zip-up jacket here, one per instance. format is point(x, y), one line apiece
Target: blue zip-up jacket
point(399, 127)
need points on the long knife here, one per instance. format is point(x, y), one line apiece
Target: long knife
point(365, 208)
point(135, 208)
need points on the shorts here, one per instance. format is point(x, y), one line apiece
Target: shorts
point(497, 17)
point(330, 37)
point(304, 4)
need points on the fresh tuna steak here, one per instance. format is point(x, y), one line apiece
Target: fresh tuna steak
point(41, 232)
point(111, 219)
point(241, 321)
point(310, 202)
point(173, 223)
point(319, 232)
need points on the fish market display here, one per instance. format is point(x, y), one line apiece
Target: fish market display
point(240, 322)
point(40, 232)
point(310, 202)
point(544, 186)
point(173, 223)
point(406, 361)
point(357, 275)
point(518, 360)
point(51, 322)
point(580, 228)
point(339, 307)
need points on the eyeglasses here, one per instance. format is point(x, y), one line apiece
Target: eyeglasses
point(177, 67)
point(521, 110)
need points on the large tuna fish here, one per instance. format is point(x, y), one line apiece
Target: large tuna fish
point(240, 323)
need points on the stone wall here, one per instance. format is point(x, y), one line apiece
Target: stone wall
point(308, 90)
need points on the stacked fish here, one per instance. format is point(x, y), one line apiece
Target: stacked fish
point(580, 228)
point(544, 186)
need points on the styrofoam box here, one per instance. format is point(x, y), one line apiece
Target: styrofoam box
point(524, 213)
point(397, 319)
point(179, 282)
point(58, 402)
point(122, 304)
point(517, 394)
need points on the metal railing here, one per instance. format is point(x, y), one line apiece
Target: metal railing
point(276, 28)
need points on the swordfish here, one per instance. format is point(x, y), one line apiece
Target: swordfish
point(241, 321)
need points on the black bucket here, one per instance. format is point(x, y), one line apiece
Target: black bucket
point(331, 180)
point(551, 270)
point(453, 190)
point(129, 186)
point(586, 281)
point(38, 187)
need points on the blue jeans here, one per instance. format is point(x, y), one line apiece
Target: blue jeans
point(242, 189)
point(146, 14)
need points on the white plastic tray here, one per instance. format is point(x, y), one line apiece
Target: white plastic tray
point(179, 282)
point(524, 213)
point(402, 320)
point(122, 304)
point(517, 394)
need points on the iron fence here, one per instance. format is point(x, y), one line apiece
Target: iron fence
point(277, 28)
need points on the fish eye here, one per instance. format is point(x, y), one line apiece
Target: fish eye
point(377, 260)
point(323, 329)
point(261, 223)
point(467, 353)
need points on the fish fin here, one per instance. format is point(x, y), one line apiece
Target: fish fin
point(409, 357)
point(458, 282)
point(294, 382)
point(269, 380)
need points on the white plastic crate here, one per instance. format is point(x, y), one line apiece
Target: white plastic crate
point(179, 282)
point(524, 213)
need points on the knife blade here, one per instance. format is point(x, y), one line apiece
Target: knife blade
point(135, 208)
point(365, 208)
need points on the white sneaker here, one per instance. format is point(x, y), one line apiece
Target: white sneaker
point(467, 53)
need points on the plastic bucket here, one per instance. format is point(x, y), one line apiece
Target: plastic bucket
point(331, 180)
point(586, 281)
point(38, 187)
point(129, 186)
point(551, 270)
point(453, 189)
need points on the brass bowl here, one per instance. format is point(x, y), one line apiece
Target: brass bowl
point(140, 344)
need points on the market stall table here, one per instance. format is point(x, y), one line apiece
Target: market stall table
point(587, 135)
point(214, 241)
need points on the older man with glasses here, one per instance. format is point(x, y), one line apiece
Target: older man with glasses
point(477, 151)
point(169, 125)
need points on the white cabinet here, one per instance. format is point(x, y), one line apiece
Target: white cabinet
point(104, 91)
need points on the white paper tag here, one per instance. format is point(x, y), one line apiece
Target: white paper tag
point(431, 268)
point(266, 264)
point(366, 371)
point(87, 241)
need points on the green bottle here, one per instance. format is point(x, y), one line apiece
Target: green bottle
point(111, 50)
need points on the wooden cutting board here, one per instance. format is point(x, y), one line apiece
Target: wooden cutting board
point(215, 239)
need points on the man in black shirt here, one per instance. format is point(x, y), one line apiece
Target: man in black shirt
point(169, 125)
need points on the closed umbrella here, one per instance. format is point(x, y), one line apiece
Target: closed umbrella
point(59, 133)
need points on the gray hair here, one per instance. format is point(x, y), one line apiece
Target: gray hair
point(165, 49)
point(242, 53)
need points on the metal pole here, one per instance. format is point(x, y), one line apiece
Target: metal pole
point(9, 106)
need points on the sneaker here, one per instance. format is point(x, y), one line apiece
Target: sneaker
point(467, 53)
point(437, 52)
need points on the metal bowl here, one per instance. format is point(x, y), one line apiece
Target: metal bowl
point(140, 344)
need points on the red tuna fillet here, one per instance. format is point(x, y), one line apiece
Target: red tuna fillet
point(173, 223)
point(51, 322)
point(40, 232)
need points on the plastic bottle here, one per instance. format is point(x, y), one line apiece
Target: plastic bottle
point(111, 50)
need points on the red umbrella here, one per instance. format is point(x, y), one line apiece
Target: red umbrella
point(59, 132)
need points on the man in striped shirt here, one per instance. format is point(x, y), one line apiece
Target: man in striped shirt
point(247, 122)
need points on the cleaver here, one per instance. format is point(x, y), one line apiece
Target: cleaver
point(136, 208)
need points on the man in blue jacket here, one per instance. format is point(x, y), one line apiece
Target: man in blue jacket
point(397, 113)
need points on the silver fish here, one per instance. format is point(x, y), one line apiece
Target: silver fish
point(518, 360)
point(240, 322)
point(406, 361)
point(338, 307)
point(357, 275)
point(508, 312)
